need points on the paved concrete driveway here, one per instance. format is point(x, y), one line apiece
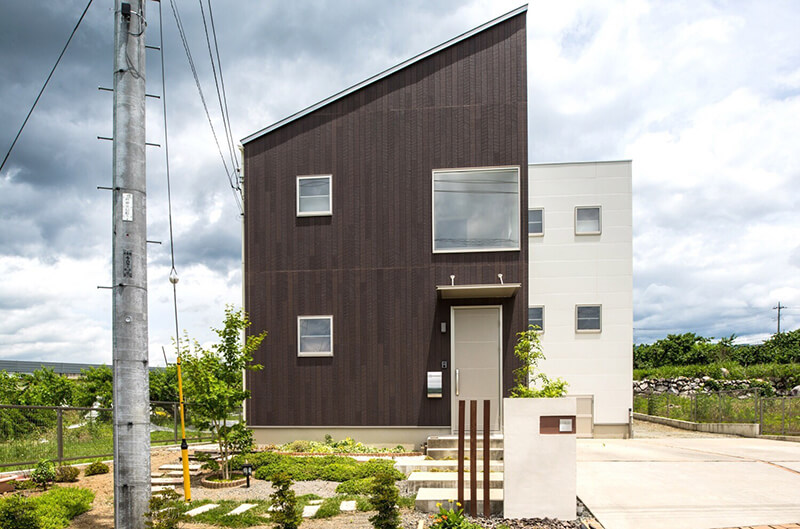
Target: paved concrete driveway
point(689, 483)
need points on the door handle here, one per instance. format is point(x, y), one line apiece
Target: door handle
point(458, 380)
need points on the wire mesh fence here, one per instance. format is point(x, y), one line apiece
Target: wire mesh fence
point(776, 415)
point(29, 434)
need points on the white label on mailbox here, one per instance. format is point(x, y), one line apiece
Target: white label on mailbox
point(565, 425)
point(127, 207)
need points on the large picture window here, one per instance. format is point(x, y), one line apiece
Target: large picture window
point(476, 210)
point(314, 196)
point(315, 335)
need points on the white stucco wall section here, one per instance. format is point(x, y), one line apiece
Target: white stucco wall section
point(568, 269)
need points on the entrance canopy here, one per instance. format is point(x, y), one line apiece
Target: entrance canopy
point(507, 290)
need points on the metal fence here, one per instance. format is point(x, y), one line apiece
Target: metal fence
point(776, 415)
point(29, 434)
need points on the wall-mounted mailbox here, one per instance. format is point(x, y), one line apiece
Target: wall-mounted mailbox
point(558, 424)
point(434, 384)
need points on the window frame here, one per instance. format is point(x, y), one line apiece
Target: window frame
point(599, 319)
point(329, 211)
point(310, 354)
point(476, 169)
point(540, 331)
point(541, 233)
point(599, 220)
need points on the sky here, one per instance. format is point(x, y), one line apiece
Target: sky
point(703, 96)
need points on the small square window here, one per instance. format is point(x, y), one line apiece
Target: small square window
point(588, 318)
point(587, 220)
point(536, 318)
point(536, 222)
point(314, 196)
point(315, 336)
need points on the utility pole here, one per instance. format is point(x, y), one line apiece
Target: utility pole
point(129, 241)
point(779, 307)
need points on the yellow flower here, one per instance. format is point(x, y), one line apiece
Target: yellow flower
point(438, 504)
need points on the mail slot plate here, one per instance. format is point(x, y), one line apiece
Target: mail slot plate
point(434, 384)
point(556, 424)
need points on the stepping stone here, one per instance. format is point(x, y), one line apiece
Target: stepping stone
point(315, 502)
point(310, 510)
point(271, 508)
point(161, 488)
point(192, 466)
point(347, 506)
point(241, 508)
point(203, 508)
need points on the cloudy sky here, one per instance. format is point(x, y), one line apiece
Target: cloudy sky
point(704, 97)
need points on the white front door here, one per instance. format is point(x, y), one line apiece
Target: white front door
point(476, 361)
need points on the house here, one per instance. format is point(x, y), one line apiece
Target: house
point(386, 247)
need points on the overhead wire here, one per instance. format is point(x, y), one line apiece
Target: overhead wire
point(173, 274)
point(187, 51)
point(214, 67)
point(49, 76)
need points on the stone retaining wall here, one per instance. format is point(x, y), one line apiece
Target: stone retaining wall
point(690, 386)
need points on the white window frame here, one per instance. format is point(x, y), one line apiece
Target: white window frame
point(466, 169)
point(540, 234)
point(314, 353)
point(599, 319)
point(329, 211)
point(599, 220)
point(540, 331)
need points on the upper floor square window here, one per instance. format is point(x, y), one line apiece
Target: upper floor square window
point(587, 220)
point(536, 221)
point(536, 317)
point(315, 335)
point(476, 210)
point(314, 196)
point(588, 318)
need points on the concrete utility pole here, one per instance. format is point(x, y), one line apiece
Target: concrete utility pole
point(131, 377)
point(779, 307)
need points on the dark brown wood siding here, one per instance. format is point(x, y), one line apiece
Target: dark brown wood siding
point(371, 263)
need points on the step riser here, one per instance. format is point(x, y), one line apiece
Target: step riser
point(414, 486)
point(453, 443)
point(430, 506)
point(426, 466)
point(495, 454)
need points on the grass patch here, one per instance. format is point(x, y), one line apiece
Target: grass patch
point(53, 509)
point(329, 508)
point(258, 515)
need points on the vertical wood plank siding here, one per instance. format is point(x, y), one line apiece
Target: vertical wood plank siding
point(370, 264)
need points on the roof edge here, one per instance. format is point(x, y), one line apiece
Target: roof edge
point(385, 73)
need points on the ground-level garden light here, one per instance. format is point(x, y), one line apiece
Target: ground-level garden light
point(247, 470)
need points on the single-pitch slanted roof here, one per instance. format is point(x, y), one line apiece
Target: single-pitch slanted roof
point(385, 73)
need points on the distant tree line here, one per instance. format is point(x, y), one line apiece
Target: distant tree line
point(691, 349)
point(94, 387)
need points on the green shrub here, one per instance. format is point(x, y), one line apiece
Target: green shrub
point(165, 512)
point(376, 466)
point(44, 473)
point(98, 467)
point(407, 502)
point(361, 486)
point(57, 507)
point(384, 499)
point(284, 503)
point(329, 508)
point(297, 446)
point(208, 462)
point(66, 473)
point(18, 512)
point(338, 472)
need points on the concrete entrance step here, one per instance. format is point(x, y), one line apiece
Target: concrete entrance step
point(426, 465)
point(445, 480)
point(166, 481)
point(451, 441)
point(442, 453)
point(428, 498)
point(192, 466)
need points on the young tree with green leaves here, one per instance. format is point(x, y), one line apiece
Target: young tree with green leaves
point(529, 382)
point(212, 379)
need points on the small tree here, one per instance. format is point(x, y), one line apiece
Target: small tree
point(284, 503)
point(528, 381)
point(384, 499)
point(213, 378)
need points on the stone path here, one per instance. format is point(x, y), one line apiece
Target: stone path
point(308, 511)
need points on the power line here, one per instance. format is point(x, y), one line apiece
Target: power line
point(229, 140)
point(45, 84)
point(185, 42)
point(779, 307)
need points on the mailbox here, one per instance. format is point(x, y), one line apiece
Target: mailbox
point(556, 424)
point(434, 384)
